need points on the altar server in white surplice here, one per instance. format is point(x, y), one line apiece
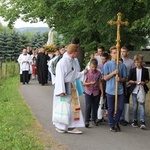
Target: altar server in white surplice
point(57, 53)
point(25, 66)
point(66, 73)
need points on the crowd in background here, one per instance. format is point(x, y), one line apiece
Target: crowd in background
point(99, 82)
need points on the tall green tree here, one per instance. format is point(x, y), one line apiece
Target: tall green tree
point(86, 19)
point(1, 27)
point(4, 39)
point(45, 37)
point(37, 41)
point(24, 40)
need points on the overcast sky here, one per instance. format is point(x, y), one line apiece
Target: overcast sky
point(19, 24)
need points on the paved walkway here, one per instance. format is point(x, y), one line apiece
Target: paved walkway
point(39, 98)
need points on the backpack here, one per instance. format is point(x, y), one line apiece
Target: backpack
point(54, 63)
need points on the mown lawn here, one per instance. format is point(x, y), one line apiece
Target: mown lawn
point(19, 130)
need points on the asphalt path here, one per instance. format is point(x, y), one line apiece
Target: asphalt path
point(40, 99)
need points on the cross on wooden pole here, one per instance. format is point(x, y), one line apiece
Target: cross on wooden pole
point(118, 23)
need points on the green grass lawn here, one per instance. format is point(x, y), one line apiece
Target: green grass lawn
point(9, 69)
point(19, 130)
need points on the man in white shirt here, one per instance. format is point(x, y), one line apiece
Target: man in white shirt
point(129, 65)
point(100, 51)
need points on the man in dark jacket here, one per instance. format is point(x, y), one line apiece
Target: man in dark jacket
point(42, 66)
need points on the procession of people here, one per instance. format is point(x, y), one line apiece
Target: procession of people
point(97, 84)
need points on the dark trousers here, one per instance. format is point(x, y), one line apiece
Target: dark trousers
point(104, 88)
point(111, 108)
point(127, 96)
point(126, 101)
point(91, 105)
point(25, 76)
point(49, 76)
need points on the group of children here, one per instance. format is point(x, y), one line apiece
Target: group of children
point(100, 82)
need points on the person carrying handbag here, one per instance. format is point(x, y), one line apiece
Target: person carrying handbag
point(66, 73)
point(138, 78)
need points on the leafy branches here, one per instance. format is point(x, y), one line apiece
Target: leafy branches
point(86, 19)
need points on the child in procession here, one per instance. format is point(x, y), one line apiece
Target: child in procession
point(93, 86)
point(138, 76)
point(109, 72)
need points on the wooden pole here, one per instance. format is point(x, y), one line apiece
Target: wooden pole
point(0, 69)
point(6, 69)
point(14, 68)
point(118, 23)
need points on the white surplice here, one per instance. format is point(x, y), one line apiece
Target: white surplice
point(67, 72)
point(25, 66)
point(50, 69)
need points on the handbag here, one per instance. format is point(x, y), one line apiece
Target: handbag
point(141, 95)
point(61, 113)
point(100, 112)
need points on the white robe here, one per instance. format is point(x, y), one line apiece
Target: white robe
point(67, 72)
point(100, 64)
point(50, 69)
point(25, 66)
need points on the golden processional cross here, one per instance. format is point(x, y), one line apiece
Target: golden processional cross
point(118, 23)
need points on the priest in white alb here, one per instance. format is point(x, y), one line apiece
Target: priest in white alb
point(66, 73)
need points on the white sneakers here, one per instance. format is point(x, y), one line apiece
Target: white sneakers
point(60, 131)
point(73, 131)
point(142, 126)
